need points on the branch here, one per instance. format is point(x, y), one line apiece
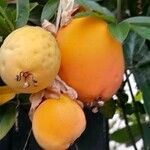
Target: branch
point(135, 108)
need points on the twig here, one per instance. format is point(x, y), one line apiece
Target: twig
point(125, 81)
point(76, 147)
point(27, 140)
point(127, 125)
point(119, 15)
point(135, 108)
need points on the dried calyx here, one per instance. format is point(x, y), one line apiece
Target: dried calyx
point(54, 91)
point(28, 78)
point(64, 16)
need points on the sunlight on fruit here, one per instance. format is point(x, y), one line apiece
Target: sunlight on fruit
point(92, 61)
point(29, 59)
point(57, 123)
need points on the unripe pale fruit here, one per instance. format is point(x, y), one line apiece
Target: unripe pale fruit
point(57, 123)
point(29, 59)
point(92, 61)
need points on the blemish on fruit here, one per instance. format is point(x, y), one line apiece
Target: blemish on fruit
point(27, 76)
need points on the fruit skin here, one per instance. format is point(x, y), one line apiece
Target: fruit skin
point(29, 49)
point(6, 94)
point(92, 61)
point(57, 123)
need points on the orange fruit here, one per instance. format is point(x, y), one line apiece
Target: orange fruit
point(92, 60)
point(57, 123)
point(6, 94)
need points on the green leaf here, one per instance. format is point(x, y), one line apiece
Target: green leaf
point(138, 96)
point(140, 107)
point(124, 97)
point(4, 27)
point(132, 46)
point(33, 5)
point(119, 31)
point(107, 18)
point(6, 18)
point(142, 31)
point(1, 39)
point(11, 13)
point(128, 109)
point(109, 108)
point(139, 20)
point(143, 80)
point(141, 73)
point(23, 9)
point(137, 55)
point(35, 15)
point(121, 135)
point(148, 11)
point(41, 2)
point(146, 128)
point(91, 5)
point(144, 62)
point(7, 118)
point(84, 14)
point(49, 10)
point(3, 3)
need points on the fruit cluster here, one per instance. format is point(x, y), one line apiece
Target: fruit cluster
point(83, 54)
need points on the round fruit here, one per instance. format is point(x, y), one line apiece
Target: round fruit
point(92, 61)
point(29, 59)
point(57, 123)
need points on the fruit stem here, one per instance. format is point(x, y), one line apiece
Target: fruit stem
point(135, 108)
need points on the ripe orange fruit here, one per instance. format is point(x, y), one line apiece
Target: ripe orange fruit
point(6, 94)
point(29, 59)
point(57, 123)
point(92, 61)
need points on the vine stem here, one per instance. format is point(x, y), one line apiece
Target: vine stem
point(119, 16)
point(135, 108)
point(127, 125)
point(27, 140)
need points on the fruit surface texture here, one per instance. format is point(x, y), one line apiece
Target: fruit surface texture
point(92, 60)
point(57, 123)
point(29, 59)
point(6, 94)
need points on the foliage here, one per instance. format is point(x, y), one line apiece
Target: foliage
point(8, 115)
point(130, 24)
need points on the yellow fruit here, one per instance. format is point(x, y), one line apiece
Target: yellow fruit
point(92, 61)
point(29, 59)
point(6, 94)
point(57, 123)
